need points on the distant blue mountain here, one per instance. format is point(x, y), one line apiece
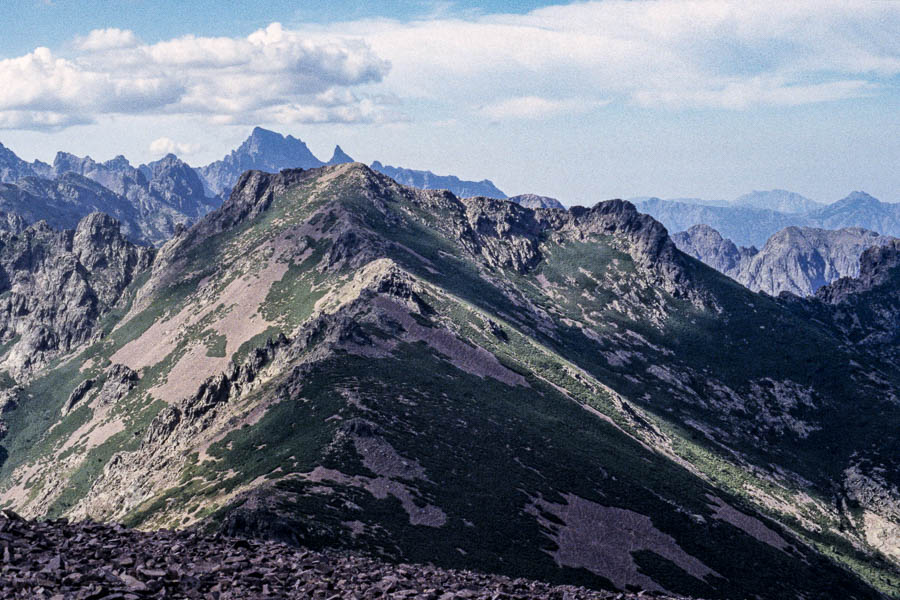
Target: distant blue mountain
point(751, 224)
point(427, 180)
point(270, 151)
point(264, 150)
point(339, 157)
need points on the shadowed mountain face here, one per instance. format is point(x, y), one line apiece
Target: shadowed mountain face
point(199, 566)
point(754, 218)
point(333, 359)
point(798, 260)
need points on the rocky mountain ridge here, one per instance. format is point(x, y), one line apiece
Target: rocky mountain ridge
point(267, 150)
point(150, 201)
point(13, 168)
point(264, 150)
point(314, 361)
point(64, 201)
point(799, 260)
point(864, 308)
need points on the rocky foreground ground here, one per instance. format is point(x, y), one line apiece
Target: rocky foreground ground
point(61, 560)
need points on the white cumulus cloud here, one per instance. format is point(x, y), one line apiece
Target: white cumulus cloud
point(164, 145)
point(704, 54)
point(106, 39)
point(272, 73)
point(670, 54)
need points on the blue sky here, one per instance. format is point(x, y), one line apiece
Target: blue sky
point(582, 101)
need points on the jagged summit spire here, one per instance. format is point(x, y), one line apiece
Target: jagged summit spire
point(339, 157)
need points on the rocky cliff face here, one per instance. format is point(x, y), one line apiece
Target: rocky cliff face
point(316, 362)
point(866, 308)
point(706, 244)
point(799, 260)
point(64, 201)
point(162, 195)
point(56, 285)
point(177, 186)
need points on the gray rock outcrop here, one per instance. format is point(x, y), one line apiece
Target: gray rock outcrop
point(56, 285)
point(799, 260)
point(339, 157)
point(535, 201)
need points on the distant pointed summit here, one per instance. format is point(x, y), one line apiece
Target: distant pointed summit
point(339, 157)
point(264, 150)
point(859, 198)
point(13, 168)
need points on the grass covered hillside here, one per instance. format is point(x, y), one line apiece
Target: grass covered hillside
point(334, 360)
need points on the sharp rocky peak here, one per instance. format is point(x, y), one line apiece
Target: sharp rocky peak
point(339, 157)
point(264, 150)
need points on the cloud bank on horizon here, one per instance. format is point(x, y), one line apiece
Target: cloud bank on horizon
point(559, 59)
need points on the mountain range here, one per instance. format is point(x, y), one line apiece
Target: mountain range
point(151, 201)
point(269, 151)
point(752, 219)
point(334, 360)
point(158, 197)
point(799, 260)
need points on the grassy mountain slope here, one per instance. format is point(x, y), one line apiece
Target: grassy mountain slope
point(334, 359)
